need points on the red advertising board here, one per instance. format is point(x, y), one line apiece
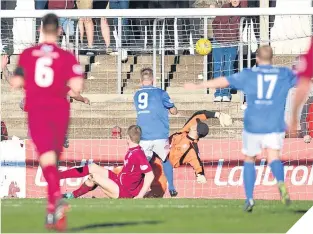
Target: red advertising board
point(222, 162)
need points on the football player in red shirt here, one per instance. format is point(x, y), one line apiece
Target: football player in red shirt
point(132, 182)
point(47, 72)
point(305, 74)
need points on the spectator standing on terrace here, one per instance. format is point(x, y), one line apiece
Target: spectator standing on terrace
point(105, 28)
point(121, 4)
point(65, 23)
point(225, 38)
point(86, 23)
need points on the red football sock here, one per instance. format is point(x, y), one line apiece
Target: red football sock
point(83, 189)
point(51, 175)
point(75, 172)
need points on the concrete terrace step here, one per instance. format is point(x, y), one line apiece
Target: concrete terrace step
point(16, 112)
point(127, 108)
point(92, 122)
point(284, 60)
point(83, 59)
point(98, 99)
point(100, 133)
point(87, 133)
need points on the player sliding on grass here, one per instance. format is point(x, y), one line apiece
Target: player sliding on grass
point(132, 182)
point(46, 71)
point(184, 143)
point(266, 87)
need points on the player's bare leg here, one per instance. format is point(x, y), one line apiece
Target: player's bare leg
point(83, 171)
point(56, 208)
point(249, 176)
point(81, 29)
point(109, 187)
point(277, 168)
point(105, 31)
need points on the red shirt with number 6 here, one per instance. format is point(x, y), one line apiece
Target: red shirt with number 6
point(47, 69)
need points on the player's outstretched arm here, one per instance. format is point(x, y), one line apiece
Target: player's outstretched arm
point(220, 82)
point(76, 84)
point(78, 97)
point(302, 92)
point(149, 177)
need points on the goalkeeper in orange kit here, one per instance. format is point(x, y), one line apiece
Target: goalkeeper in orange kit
point(184, 143)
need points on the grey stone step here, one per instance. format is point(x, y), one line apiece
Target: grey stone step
point(284, 60)
point(83, 59)
point(127, 107)
point(16, 112)
point(103, 68)
point(175, 122)
point(105, 133)
point(191, 59)
point(101, 133)
point(106, 101)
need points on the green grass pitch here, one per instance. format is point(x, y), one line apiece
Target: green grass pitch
point(155, 215)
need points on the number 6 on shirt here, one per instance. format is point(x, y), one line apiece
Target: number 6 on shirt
point(44, 74)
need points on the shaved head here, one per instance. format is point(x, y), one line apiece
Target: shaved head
point(146, 76)
point(264, 54)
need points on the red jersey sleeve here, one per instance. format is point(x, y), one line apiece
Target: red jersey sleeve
point(144, 165)
point(305, 65)
point(73, 68)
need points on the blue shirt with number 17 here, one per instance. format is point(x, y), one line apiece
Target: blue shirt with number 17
point(266, 88)
point(152, 105)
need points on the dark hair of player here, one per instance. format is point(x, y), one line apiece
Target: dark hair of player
point(50, 24)
point(146, 74)
point(265, 53)
point(134, 133)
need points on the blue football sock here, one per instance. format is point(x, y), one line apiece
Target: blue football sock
point(249, 177)
point(168, 171)
point(277, 170)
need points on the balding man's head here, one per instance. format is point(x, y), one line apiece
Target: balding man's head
point(146, 76)
point(264, 55)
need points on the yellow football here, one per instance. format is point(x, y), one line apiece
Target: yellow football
point(203, 46)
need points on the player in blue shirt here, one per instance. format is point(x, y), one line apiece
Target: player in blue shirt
point(266, 88)
point(153, 106)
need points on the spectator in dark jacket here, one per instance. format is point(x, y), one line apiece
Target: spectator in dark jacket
point(226, 37)
point(306, 121)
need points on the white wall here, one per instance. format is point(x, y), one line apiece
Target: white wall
point(23, 29)
point(290, 27)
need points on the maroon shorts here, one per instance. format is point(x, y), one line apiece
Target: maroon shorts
point(123, 192)
point(48, 129)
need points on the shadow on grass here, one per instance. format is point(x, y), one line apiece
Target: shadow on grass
point(303, 211)
point(108, 225)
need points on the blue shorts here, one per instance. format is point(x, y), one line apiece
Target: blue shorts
point(67, 24)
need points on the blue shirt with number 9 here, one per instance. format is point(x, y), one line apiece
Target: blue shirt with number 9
point(152, 105)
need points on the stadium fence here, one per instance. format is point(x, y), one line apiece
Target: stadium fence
point(158, 38)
